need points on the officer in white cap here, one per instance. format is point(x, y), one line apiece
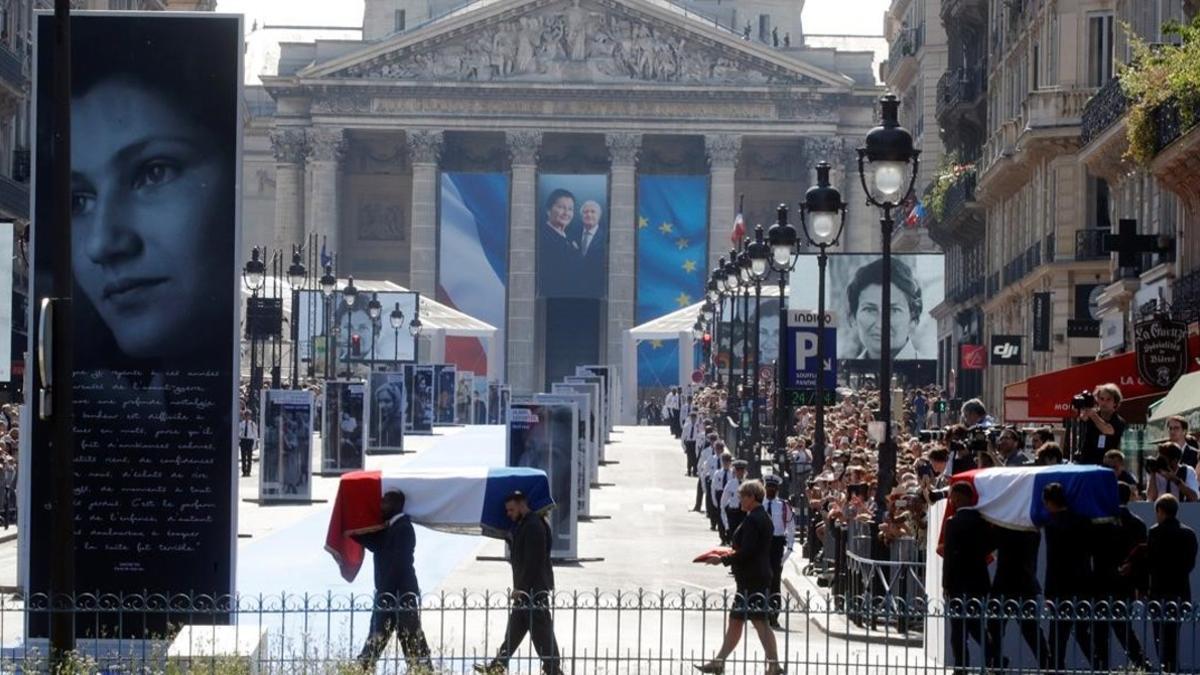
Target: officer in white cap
point(731, 504)
point(783, 522)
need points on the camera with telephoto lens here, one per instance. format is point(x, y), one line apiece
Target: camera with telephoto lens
point(1155, 465)
point(1083, 400)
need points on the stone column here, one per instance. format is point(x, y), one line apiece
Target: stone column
point(424, 149)
point(522, 370)
point(326, 148)
point(622, 232)
point(289, 146)
point(722, 152)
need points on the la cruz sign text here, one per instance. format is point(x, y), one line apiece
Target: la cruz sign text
point(1162, 350)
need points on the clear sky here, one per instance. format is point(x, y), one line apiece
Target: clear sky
point(854, 17)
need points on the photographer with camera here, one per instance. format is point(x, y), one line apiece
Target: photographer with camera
point(1169, 476)
point(1099, 426)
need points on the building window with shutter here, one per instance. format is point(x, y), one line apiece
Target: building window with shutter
point(400, 20)
point(1100, 49)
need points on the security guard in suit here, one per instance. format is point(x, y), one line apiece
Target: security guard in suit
point(783, 525)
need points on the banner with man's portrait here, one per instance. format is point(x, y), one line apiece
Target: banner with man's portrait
point(155, 228)
point(583, 452)
point(572, 269)
point(479, 400)
point(344, 433)
point(286, 451)
point(603, 401)
point(591, 414)
point(462, 397)
point(385, 416)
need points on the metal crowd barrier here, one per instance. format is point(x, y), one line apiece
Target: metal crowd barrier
point(621, 632)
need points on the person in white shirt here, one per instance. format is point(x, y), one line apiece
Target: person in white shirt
point(732, 514)
point(247, 438)
point(783, 523)
point(704, 471)
point(689, 444)
point(671, 410)
point(720, 477)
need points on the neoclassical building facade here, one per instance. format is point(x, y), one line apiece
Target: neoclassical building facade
point(349, 139)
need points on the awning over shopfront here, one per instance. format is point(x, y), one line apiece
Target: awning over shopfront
point(1047, 397)
point(1183, 398)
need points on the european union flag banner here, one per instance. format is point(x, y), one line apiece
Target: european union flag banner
point(672, 249)
point(473, 258)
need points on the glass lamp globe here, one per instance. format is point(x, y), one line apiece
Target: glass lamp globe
point(823, 225)
point(889, 177)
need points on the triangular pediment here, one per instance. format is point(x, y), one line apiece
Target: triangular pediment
point(574, 42)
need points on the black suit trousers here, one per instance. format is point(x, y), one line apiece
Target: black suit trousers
point(778, 545)
point(404, 619)
point(534, 619)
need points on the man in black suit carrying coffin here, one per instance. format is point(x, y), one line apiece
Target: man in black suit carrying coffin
point(397, 594)
point(532, 590)
point(965, 579)
point(1170, 557)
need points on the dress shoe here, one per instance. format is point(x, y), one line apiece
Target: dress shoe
point(716, 667)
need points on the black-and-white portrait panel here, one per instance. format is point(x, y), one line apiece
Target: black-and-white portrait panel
point(154, 231)
point(917, 286)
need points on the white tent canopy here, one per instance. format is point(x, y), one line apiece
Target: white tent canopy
point(439, 321)
point(674, 326)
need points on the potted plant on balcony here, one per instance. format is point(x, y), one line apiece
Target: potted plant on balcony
point(1160, 75)
point(949, 172)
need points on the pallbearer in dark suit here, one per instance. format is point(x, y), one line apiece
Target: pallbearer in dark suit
point(783, 529)
point(750, 563)
point(1118, 576)
point(1171, 555)
point(1070, 578)
point(965, 579)
point(532, 590)
point(1015, 591)
point(397, 595)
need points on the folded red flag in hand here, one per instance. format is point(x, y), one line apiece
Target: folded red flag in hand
point(357, 508)
point(715, 553)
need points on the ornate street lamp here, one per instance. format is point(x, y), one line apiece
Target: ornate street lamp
point(731, 286)
point(297, 273)
point(782, 238)
point(254, 275)
point(758, 257)
point(349, 296)
point(415, 326)
point(396, 318)
point(374, 312)
point(328, 283)
point(824, 216)
point(887, 154)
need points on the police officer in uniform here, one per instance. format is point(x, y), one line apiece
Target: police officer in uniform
point(783, 523)
point(720, 477)
point(731, 504)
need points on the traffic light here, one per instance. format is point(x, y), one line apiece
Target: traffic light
point(940, 406)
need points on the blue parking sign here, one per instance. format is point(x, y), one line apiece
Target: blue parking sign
point(802, 358)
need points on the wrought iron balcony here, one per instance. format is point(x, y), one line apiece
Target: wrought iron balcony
point(1169, 123)
point(903, 47)
point(1089, 244)
point(955, 12)
point(1048, 246)
point(959, 88)
point(959, 195)
point(1102, 111)
point(1187, 296)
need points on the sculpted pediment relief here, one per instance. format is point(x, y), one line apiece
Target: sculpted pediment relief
point(575, 41)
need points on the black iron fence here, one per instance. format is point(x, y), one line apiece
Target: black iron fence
point(619, 632)
point(1102, 111)
point(1169, 121)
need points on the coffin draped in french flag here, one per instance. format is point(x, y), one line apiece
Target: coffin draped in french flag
point(1012, 496)
point(465, 501)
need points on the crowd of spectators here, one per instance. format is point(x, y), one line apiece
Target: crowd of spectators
point(10, 436)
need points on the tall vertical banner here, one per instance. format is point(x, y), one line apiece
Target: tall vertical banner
point(473, 258)
point(1041, 322)
point(385, 415)
point(583, 450)
point(479, 400)
point(543, 435)
point(672, 252)
point(421, 394)
point(602, 399)
point(462, 397)
point(287, 430)
point(572, 269)
point(591, 417)
point(443, 394)
point(493, 397)
point(343, 433)
point(155, 226)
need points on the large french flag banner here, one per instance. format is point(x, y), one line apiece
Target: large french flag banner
point(465, 501)
point(1012, 496)
point(473, 258)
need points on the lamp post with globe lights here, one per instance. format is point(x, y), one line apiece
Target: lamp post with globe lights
point(374, 313)
point(297, 275)
point(396, 318)
point(823, 216)
point(758, 259)
point(349, 296)
point(887, 154)
point(328, 284)
point(254, 275)
point(782, 240)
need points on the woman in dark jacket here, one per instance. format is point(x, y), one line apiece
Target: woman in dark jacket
point(751, 566)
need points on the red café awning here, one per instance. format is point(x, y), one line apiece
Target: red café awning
point(1047, 397)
